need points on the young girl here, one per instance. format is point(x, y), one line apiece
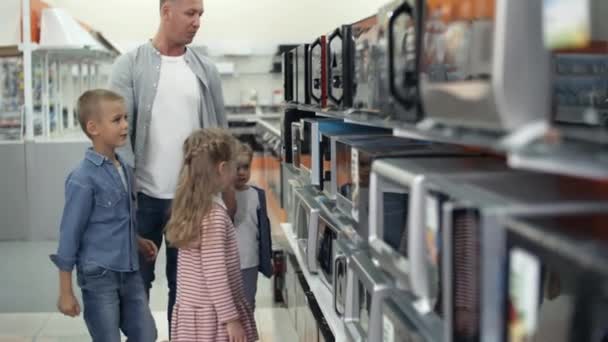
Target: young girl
point(210, 304)
point(252, 226)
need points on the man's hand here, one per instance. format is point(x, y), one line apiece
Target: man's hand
point(68, 305)
point(236, 333)
point(147, 248)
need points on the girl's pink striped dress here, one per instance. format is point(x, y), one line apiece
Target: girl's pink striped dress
point(209, 284)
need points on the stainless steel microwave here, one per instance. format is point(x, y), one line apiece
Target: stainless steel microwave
point(555, 278)
point(362, 60)
point(459, 255)
point(398, 202)
point(354, 158)
point(366, 287)
point(318, 160)
point(481, 66)
point(399, 27)
point(306, 224)
point(347, 244)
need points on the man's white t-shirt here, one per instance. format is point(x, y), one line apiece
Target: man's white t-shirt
point(174, 117)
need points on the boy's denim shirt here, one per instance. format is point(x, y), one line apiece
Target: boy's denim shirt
point(98, 223)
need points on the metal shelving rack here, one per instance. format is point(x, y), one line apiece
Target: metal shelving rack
point(53, 77)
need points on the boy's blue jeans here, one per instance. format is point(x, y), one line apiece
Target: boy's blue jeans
point(114, 302)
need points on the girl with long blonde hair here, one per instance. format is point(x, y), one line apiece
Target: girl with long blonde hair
point(210, 303)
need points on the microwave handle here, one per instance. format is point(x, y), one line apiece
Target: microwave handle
point(316, 43)
point(336, 34)
point(404, 8)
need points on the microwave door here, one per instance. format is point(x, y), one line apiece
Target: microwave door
point(388, 228)
point(373, 287)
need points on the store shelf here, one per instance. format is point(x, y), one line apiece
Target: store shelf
point(321, 292)
point(579, 152)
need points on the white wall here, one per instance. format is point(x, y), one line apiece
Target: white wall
point(244, 22)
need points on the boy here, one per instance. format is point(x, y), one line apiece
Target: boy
point(97, 234)
point(252, 226)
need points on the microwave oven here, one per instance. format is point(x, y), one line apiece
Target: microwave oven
point(347, 244)
point(481, 66)
point(398, 203)
point(459, 248)
point(289, 76)
point(361, 62)
point(399, 26)
point(313, 131)
point(556, 278)
point(336, 67)
point(308, 146)
point(354, 158)
point(302, 66)
point(307, 216)
point(329, 152)
point(366, 287)
point(318, 72)
point(290, 116)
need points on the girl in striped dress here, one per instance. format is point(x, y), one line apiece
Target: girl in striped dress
point(210, 304)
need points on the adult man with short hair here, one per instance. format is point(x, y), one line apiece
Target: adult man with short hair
point(170, 91)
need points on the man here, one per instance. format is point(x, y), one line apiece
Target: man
point(170, 91)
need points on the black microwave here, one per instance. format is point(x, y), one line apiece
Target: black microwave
point(362, 59)
point(302, 66)
point(399, 25)
point(354, 158)
point(481, 66)
point(458, 257)
point(337, 67)
point(289, 76)
point(556, 284)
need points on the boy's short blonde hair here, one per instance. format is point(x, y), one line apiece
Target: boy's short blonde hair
point(244, 148)
point(88, 106)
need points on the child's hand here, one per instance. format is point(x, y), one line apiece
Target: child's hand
point(68, 305)
point(147, 248)
point(236, 333)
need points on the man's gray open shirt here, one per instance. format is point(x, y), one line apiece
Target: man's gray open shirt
point(136, 75)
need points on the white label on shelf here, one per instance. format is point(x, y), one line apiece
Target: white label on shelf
point(388, 329)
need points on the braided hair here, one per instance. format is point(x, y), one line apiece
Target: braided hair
point(199, 176)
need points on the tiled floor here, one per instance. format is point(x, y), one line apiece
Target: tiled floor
point(29, 287)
